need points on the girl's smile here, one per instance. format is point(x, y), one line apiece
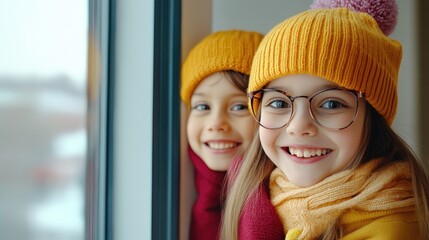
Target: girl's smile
point(222, 146)
point(306, 155)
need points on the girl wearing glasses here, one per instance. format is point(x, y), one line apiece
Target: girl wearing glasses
point(323, 88)
point(220, 127)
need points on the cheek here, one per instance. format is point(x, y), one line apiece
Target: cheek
point(246, 128)
point(349, 148)
point(356, 141)
point(193, 129)
point(350, 139)
point(267, 138)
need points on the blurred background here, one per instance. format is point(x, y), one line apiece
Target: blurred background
point(43, 107)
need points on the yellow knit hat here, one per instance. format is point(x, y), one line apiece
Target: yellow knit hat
point(220, 51)
point(341, 45)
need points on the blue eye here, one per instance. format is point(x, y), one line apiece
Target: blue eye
point(201, 107)
point(279, 104)
point(239, 107)
point(332, 104)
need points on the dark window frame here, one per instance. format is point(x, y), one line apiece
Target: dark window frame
point(166, 120)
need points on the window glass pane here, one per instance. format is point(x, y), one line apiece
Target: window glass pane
point(43, 65)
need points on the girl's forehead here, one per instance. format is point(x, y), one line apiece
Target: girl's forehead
point(211, 80)
point(217, 87)
point(216, 80)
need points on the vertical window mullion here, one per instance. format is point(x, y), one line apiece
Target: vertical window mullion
point(166, 120)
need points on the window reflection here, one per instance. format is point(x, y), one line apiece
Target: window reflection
point(43, 111)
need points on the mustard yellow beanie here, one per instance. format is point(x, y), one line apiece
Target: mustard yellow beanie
point(341, 45)
point(220, 51)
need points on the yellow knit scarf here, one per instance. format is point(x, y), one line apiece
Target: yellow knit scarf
point(307, 212)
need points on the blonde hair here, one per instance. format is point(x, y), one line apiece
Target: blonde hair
point(255, 169)
point(378, 140)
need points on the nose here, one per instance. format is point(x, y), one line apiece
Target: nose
point(301, 122)
point(218, 122)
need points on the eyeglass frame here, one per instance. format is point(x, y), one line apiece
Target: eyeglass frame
point(251, 95)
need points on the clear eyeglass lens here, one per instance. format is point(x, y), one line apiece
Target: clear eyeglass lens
point(333, 108)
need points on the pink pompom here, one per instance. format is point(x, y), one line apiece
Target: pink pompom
point(385, 12)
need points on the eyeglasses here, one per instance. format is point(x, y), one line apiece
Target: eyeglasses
point(332, 108)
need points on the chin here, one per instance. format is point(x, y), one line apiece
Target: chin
point(304, 183)
point(217, 166)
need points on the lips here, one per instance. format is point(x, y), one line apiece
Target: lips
point(222, 145)
point(308, 152)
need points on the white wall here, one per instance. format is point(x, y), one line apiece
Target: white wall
point(254, 15)
point(406, 122)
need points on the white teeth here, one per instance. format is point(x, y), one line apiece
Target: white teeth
point(307, 152)
point(221, 146)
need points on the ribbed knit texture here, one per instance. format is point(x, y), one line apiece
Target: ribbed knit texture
point(340, 45)
point(311, 210)
point(259, 220)
point(220, 51)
